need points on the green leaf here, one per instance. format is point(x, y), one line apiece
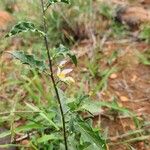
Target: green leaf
point(93, 107)
point(43, 115)
point(55, 1)
point(46, 138)
point(112, 105)
point(24, 128)
point(73, 58)
point(90, 134)
point(62, 50)
point(75, 104)
point(29, 60)
point(23, 27)
point(63, 100)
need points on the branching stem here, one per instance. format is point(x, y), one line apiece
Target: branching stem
point(52, 75)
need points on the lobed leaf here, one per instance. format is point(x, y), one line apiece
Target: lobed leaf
point(29, 60)
point(23, 27)
point(112, 105)
point(90, 134)
point(55, 1)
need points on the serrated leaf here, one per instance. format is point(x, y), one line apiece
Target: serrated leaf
point(112, 105)
point(55, 1)
point(29, 60)
point(91, 135)
point(93, 107)
point(62, 49)
point(23, 27)
point(63, 100)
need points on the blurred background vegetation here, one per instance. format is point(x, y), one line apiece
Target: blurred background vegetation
point(113, 66)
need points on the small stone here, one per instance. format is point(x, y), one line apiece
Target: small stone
point(113, 76)
point(25, 142)
point(124, 98)
point(134, 77)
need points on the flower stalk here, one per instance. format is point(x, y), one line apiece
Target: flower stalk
point(52, 75)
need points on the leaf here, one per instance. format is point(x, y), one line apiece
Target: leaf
point(66, 71)
point(114, 105)
point(23, 27)
point(29, 60)
point(62, 50)
point(95, 107)
point(43, 115)
point(46, 138)
point(76, 103)
point(24, 128)
point(73, 58)
point(63, 100)
point(75, 144)
point(55, 1)
point(90, 134)
point(91, 107)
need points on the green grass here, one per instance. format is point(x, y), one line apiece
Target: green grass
point(145, 33)
point(31, 100)
point(144, 58)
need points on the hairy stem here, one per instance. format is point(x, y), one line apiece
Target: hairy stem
point(52, 75)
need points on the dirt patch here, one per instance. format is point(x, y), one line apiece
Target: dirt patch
point(133, 16)
point(130, 85)
point(145, 2)
point(5, 18)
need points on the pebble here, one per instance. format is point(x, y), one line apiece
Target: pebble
point(113, 76)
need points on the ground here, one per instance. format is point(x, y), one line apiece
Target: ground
point(110, 65)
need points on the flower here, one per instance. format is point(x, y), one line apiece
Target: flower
point(61, 74)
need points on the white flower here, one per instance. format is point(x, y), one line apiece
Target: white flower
point(62, 75)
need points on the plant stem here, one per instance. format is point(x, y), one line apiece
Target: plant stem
point(52, 75)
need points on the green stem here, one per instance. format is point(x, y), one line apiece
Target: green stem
point(52, 76)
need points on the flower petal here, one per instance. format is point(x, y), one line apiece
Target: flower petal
point(58, 71)
point(62, 63)
point(69, 79)
point(66, 71)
